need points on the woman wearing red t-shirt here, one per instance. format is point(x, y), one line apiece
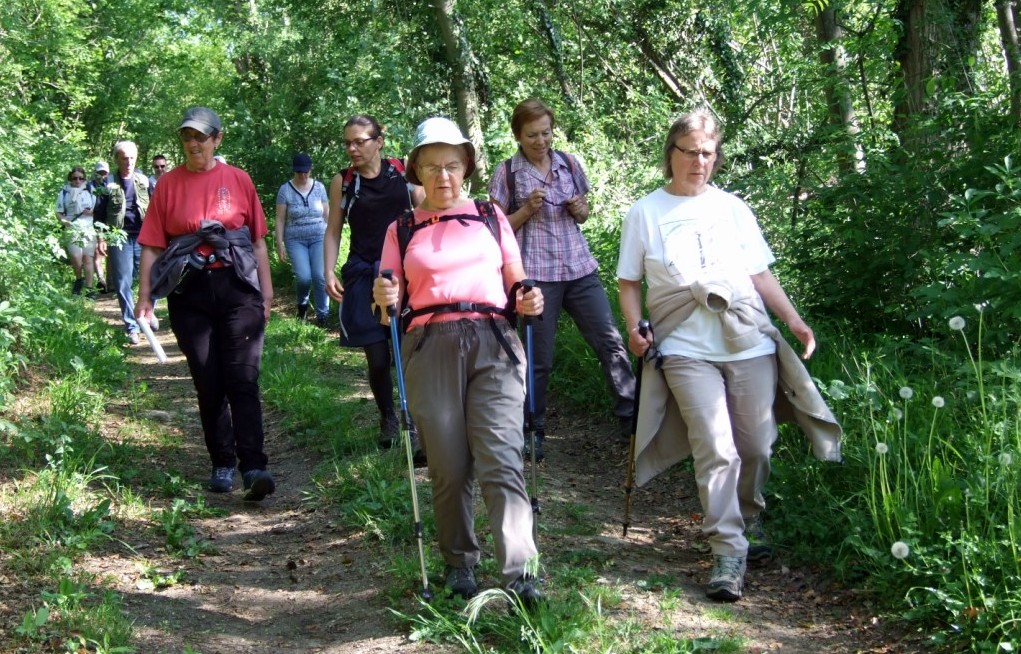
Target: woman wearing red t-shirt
point(220, 297)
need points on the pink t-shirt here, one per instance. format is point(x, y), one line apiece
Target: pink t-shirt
point(452, 262)
point(184, 198)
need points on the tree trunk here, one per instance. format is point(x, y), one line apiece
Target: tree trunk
point(549, 29)
point(913, 54)
point(838, 95)
point(457, 50)
point(1008, 36)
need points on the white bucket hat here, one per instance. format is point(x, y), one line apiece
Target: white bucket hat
point(439, 130)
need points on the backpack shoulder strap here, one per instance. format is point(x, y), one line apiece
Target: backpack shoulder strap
point(488, 214)
point(349, 192)
point(511, 208)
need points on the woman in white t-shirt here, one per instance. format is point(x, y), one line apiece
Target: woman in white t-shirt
point(706, 265)
point(74, 211)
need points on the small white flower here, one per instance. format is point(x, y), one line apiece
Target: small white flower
point(1005, 459)
point(967, 493)
point(900, 550)
point(957, 323)
point(898, 414)
point(906, 392)
point(881, 448)
point(938, 402)
point(981, 306)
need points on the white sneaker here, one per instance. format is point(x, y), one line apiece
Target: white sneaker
point(154, 324)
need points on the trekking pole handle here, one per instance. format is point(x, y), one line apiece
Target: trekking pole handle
point(388, 275)
point(643, 327)
point(526, 286)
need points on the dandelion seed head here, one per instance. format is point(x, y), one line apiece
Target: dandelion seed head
point(898, 414)
point(881, 448)
point(1006, 459)
point(938, 402)
point(906, 392)
point(981, 306)
point(957, 323)
point(900, 550)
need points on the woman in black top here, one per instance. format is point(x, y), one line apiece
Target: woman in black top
point(368, 196)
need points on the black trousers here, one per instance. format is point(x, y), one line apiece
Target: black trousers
point(220, 326)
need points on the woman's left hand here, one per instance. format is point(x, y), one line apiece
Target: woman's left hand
point(578, 208)
point(805, 335)
point(530, 303)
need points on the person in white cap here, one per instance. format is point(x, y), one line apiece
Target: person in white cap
point(460, 273)
point(205, 231)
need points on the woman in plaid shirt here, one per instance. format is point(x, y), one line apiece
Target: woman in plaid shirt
point(542, 191)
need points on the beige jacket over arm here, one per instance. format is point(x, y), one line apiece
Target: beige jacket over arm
point(662, 436)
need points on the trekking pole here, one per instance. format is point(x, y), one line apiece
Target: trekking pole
point(643, 329)
point(527, 285)
point(391, 311)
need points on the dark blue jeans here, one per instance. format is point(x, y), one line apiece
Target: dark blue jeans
point(585, 301)
point(219, 324)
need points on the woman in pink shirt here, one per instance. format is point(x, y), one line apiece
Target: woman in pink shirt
point(457, 266)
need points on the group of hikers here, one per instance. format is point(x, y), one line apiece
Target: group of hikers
point(443, 279)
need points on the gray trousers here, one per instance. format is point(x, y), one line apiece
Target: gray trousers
point(466, 396)
point(585, 301)
point(728, 409)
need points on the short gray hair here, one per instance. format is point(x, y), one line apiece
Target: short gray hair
point(121, 146)
point(699, 119)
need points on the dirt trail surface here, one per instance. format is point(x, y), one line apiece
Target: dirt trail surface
point(289, 577)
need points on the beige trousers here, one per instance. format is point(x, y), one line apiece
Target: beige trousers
point(728, 409)
point(467, 398)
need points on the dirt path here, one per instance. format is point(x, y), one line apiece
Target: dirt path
point(290, 578)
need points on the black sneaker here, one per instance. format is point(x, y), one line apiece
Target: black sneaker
point(222, 480)
point(540, 438)
point(524, 588)
point(258, 484)
point(389, 430)
point(302, 311)
point(76, 288)
point(461, 581)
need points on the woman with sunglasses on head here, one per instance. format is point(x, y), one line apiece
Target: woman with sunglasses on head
point(543, 191)
point(368, 196)
point(75, 205)
point(709, 391)
point(203, 248)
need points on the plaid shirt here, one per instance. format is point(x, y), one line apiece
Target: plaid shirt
point(553, 249)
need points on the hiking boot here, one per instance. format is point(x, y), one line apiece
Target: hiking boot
point(540, 438)
point(461, 581)
point(625, 428)
point(759, 548)
point(389, 430)
point(524, 589)
point(302, 311)
point(222, 480)
point(727, 579)
point(323, 322)
point(101, 287)
point(133, 338)
point(76, 288)
point(258, 484)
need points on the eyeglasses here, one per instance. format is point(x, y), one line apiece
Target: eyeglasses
point(76, 178)
point(198, 137)
point(358, 143)
point(431, 170)
point(691, 155)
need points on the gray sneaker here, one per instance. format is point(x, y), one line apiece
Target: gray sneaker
point(727, 580)
point(760, 549)
point(133, 338)
point(461, 581)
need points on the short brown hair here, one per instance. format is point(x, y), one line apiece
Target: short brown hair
point(699, 119)
point(527, 111)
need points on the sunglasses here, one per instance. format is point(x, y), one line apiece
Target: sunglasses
point(76, 178)
point(160, 167)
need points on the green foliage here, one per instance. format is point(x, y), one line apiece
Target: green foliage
point(182, 539)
